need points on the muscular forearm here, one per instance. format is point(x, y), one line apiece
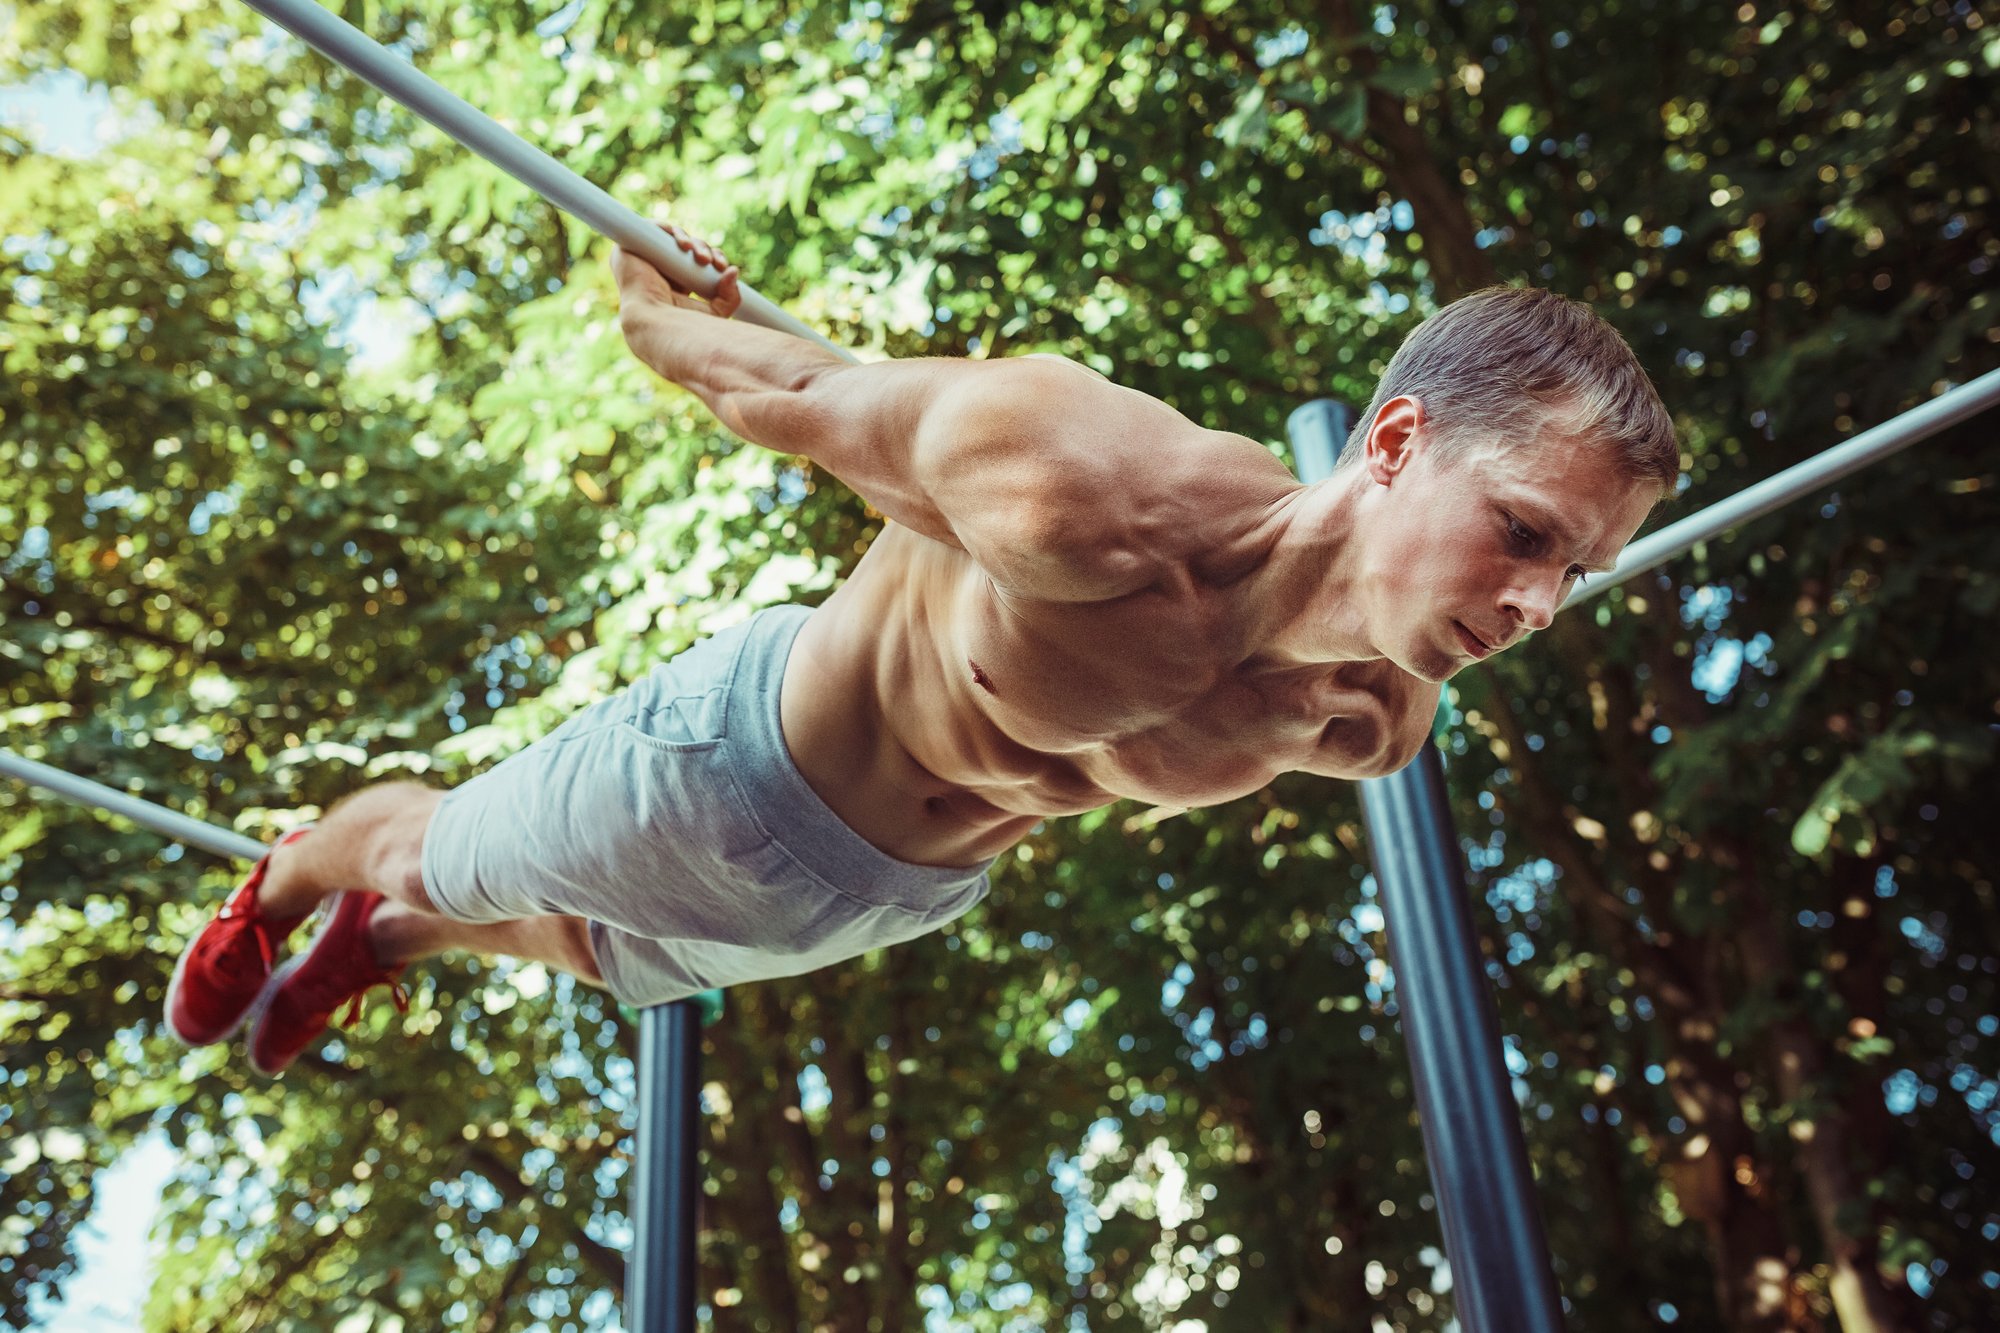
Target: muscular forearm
point(721, 361)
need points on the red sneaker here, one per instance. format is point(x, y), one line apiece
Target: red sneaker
point(220, 973)
point(300, 998)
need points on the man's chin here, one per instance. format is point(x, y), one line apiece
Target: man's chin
point(1427, 664)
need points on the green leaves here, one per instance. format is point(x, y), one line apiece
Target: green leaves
point(321, 459)
point(1879, 778)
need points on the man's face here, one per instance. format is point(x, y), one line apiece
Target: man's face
point(1476, 550)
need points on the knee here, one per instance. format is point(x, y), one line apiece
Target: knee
point(404, 882)
point(585, 954)
point(396, 866)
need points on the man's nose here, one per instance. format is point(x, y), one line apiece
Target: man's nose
point(1535, 607)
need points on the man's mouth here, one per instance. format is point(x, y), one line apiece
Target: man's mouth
point(1473, 643)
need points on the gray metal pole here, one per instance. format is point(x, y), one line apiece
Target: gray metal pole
point(1493, 1234)
point(1774, 492)
point(182, 828)
point(349, 46)
point(661, 1270)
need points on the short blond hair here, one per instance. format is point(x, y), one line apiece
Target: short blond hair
point(1515, 362)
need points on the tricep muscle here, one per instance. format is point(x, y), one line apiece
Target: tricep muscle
point(1059, 483)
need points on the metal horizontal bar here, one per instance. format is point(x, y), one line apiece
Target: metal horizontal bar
point(183, 828)
point(348, 46)
point(1774, 492)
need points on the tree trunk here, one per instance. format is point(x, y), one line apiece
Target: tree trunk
point(1718, 1184)
point(1437, 202)
point(1820, 1129)
point(751, 1209)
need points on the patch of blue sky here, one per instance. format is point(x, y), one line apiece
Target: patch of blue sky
point(1492, 853)
point(376, 333)
point(211, 506)
point(1072, 1020)
point(1003, 131)
point(1707, 605)
point(1925, 936)
point(1281, 46)
point(1720, 660)
point(1522, 891)
point(1363, 237)
point(63, 114)
point(115, 1252)
point(815, 1093)
point(1720, 665)
point(856, 28)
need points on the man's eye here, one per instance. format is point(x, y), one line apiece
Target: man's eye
point(1520, 533)
point(1576, 572)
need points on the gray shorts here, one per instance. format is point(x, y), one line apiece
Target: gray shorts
point(671, 816)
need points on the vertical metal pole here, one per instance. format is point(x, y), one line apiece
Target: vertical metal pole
point(660, 1273)
point(1493, 1233)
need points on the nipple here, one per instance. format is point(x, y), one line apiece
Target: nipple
point(980, 678)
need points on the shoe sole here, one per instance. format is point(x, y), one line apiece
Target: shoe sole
point(173, 994)
point(255, 1015)
point(180, 969)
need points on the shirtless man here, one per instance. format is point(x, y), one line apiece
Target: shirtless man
point(1080, 596)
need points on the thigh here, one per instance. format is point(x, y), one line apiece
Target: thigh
point(605, 817)
point(549, 830)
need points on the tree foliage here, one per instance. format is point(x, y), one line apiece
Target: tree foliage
point(321, 461)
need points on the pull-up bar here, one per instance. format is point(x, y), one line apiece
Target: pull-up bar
point(1776, 491)
point(182, 828)
point(344, 44)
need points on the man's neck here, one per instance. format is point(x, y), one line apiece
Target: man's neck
point(1308, 604)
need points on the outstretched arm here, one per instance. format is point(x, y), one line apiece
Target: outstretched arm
point(1059, 483)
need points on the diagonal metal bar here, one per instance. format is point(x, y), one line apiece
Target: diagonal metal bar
point(347, 45)
point(1780, 489)
point(182, 828)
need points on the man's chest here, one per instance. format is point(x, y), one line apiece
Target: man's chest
point(1163, 699)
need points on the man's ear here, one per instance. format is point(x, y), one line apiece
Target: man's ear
point(1393, 440)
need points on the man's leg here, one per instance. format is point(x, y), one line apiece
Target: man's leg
point(374, 840)
point(400, 934)
point(370, 840)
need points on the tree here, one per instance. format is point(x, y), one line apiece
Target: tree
point(1725, 822)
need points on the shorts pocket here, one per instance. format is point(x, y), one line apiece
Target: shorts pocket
point(684, 722)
